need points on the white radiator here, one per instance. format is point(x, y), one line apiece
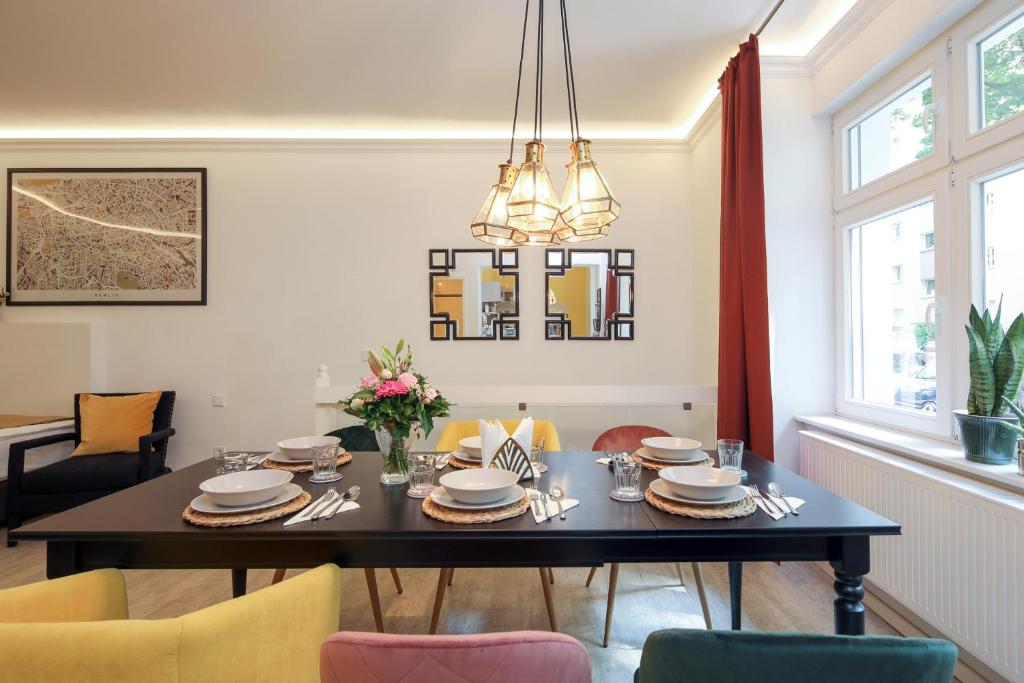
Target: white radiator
point(958, 564)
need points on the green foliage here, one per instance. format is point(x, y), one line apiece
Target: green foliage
point(996, 362)
point(1003, 70)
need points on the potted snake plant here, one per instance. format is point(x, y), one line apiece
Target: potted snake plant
point(990, 427)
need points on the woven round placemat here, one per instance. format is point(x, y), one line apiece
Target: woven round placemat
point(302, 466)
point(741, 509)
point(242, 518)
point(651, 465)
point(463, 464)
point(440, 512)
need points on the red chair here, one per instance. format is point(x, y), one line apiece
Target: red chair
point(491, 657)
point(628, 438)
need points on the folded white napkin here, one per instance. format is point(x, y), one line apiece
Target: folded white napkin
point(794, 503)
point(537, 507)
point(603, 461)
point(493, 435)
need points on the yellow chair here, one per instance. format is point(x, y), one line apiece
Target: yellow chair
point(460, 429)
point(77, 629)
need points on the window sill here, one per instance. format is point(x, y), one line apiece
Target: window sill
point(941, 454)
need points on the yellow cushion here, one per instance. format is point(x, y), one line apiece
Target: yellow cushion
point(271, 635)
point(113, 424)
point(460, 429)
point(92, 596)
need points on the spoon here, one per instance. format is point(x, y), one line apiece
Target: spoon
point(557, 494)
point(351, 494)
point(776, 491)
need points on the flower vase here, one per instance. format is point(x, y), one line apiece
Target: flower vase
point(396, 457)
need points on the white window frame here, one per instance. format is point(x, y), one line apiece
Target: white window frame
point(967, 137)
point(932, 60)
point(939, 424)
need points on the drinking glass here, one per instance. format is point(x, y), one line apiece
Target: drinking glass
point(231, 461)
point(325, 464)
point(627, 479)
point(537, 456)
point(730, 455)
point(421, 474)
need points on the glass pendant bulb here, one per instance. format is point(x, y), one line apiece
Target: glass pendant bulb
point(491, 222)
point(564, 233)
point(533, 205)
point(588, 203)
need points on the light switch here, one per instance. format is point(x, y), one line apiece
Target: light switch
point(364, 356)
point(217, 400)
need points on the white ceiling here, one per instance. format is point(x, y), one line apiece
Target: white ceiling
point(370, 68)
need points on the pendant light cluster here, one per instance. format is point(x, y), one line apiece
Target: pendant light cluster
point(522, 209)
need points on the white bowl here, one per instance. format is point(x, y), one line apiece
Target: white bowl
point(470, 446)
point(698, 482)
point(301, 447)
point(671, 447)
point(246, 488)
point(479, 486)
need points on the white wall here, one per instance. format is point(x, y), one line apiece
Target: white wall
point(319, 251)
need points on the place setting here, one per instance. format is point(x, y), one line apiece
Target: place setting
point(246, 497)
point(321, 455)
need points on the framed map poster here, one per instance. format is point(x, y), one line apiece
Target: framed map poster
point(106, 236)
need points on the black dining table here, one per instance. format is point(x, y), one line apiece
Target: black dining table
point(142, 528)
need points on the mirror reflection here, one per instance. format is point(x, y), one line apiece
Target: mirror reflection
point(472, 297)
point(589, 294)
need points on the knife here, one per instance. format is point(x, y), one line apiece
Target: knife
point(307, 512)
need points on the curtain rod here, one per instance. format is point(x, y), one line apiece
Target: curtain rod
point(768, 18)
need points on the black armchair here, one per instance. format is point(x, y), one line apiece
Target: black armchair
point(74, 481)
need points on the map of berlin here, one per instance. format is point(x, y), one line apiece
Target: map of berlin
point(107, 233)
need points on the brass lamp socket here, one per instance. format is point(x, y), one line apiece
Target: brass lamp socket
point(580, 149)
point(534, 152)
point(507, 174)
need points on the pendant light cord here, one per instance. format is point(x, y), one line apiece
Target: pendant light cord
point(538, 92)
point(519, 83)
point(570, 76)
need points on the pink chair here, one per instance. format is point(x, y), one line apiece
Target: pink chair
point(514, 657)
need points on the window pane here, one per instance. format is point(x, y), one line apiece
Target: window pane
point(895, 135)
point(1001, 63)
point(893, 344)
point(1003, 236)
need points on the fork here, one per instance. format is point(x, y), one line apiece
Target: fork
point(327, 499)
point(769, 505)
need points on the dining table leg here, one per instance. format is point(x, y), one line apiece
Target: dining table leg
point(849, 569)
point(239, 578)
point(735, 594)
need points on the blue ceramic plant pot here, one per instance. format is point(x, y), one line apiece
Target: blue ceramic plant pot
point(985, 440)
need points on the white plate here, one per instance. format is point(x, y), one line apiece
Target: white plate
point(696, 456)
point(202, 503)
point(278, 456)
point(662, 489)
point(463, 455)
point(441, 497)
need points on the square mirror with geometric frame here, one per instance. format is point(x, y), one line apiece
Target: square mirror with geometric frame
point(589, 294)
point(474, 294)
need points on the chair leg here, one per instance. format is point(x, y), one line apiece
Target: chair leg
point(613, 579)
point(398, 581)
point(679, 570)
point(371, 587)
point(551, 574)
point(12, 524)
point(451, 574)
point(278, 576)
point(545, 582)
point(590, 576)
point(443, 577)
point(698, 577)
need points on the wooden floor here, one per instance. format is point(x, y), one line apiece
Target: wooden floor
point(792, 597)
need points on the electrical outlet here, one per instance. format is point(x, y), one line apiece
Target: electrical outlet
point(217, 400)
point(364, 356)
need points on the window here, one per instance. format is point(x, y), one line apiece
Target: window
point(897, 274)
point(929, 240)
point(892, 136)
point(897, 229)
point(1003, 230)
point(1000, 62)
point(906, 333)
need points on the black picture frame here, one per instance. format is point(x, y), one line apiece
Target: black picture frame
point(440, 263)
point(107, 298)
point(621, 263)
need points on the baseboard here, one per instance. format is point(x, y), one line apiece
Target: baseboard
point(968, 668)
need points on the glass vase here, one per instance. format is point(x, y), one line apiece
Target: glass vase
point(396, 457)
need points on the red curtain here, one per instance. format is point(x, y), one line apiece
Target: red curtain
point(744, 372)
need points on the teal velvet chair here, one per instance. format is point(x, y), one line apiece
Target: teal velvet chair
point(685, 656)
